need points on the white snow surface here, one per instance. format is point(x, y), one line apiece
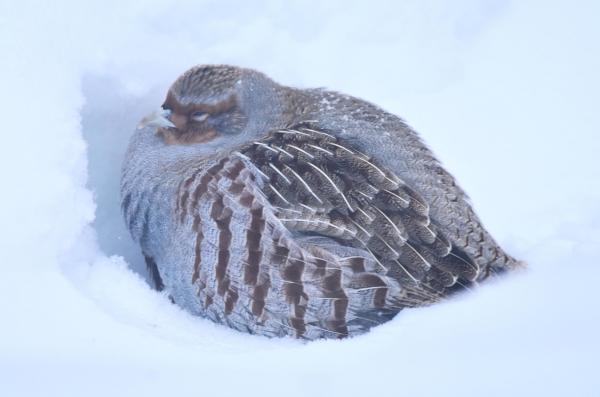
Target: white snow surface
point(506, 93)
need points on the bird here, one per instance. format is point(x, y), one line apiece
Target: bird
point(289, 212)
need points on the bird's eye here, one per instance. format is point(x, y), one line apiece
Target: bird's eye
point(199, 116)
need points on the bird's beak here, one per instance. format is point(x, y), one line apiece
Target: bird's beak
point(159, 118)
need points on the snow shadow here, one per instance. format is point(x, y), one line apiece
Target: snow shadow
point(108, 119)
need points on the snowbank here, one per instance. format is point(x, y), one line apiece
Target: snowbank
point(505, 93)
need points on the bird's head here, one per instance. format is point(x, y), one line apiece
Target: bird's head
point(217, 104)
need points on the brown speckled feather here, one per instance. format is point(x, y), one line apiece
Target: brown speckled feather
point(321, 186)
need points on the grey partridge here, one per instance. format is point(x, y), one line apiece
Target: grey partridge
point(280, 211)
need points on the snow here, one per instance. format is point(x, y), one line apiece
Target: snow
point(506, 93)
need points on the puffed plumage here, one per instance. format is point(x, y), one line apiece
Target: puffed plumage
point(280, 211)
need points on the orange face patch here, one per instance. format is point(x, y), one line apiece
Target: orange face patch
point(187, 132)
point(173, 136)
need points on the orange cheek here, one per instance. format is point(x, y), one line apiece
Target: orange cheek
point(179, 120)
point(174, 137)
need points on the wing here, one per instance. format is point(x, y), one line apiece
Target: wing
point(320, 186)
